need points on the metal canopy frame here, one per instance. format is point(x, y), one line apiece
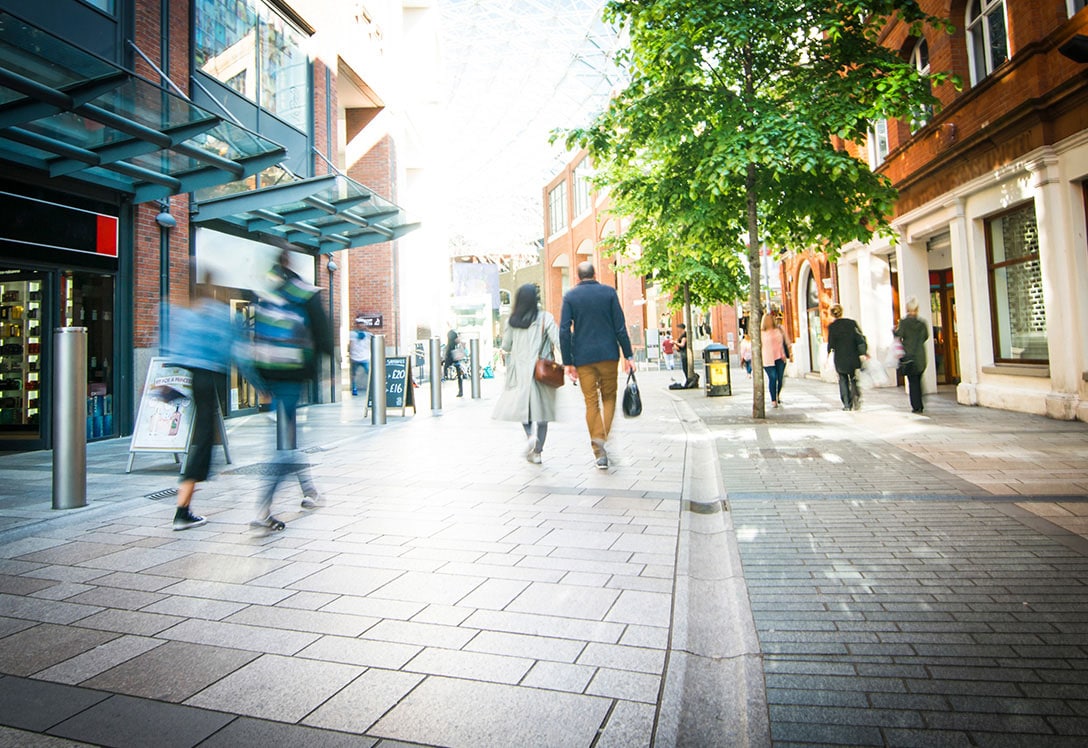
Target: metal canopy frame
point(319, 215)
point(67, 113)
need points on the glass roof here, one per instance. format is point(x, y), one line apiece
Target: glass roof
point(67, 113)
point(319, 215)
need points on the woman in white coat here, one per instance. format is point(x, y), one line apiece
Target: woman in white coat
point(530, 334)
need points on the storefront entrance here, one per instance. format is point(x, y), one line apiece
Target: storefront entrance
point(942, 306)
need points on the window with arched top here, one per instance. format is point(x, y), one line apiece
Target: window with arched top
point(919, 57)
point(987, 37)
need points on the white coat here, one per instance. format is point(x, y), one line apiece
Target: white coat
point(523, 399)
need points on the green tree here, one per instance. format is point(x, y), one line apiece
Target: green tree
point(729, 135)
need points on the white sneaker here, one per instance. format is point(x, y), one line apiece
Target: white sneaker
point(530, 448)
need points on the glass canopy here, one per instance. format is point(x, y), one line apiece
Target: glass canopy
point(68, 114)
point(319, 215)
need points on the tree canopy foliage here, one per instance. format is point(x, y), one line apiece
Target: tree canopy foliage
point(729, 133)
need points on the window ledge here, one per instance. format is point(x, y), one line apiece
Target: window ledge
point(1019, 370)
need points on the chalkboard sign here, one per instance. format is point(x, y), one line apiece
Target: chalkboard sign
point(399, 388)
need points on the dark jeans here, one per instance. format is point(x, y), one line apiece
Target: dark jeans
point(774, 378)
point(355, 366)
point(848, 389)
point(198, 460)
point(289, 460)
point(914, 390)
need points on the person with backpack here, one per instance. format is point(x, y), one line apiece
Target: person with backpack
point(290, 329)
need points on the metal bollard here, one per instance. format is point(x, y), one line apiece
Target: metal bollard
point(70, 418)
point(377, 379)
point(474, 360)
point(436, 375)
point(286, 429)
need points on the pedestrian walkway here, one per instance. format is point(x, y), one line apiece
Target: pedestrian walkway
point(817, 577)
point(903, 583)
point(447, 593)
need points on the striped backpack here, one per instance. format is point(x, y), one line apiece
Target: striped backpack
point(283, 345)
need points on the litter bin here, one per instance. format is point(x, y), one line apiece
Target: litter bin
point(718, 382)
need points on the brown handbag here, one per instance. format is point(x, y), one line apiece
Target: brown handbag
point(546, 370)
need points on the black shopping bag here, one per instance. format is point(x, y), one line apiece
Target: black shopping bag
point(632, 400)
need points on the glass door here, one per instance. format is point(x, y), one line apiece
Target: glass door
point(87, 300)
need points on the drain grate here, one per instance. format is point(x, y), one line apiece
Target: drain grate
point(268, 468)
point(166, 493)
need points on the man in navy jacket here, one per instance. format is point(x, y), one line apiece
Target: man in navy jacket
point(592, 333)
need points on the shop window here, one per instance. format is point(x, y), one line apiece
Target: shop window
point(919, 57)
point(87, 300)
point(1016, 288)
point(252, 49)
point(557, 209)
point(21, 354)
point(106, 6)
point(987, 38)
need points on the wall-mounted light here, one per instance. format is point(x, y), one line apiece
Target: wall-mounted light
point(1076, 49)
point(164, 218)
point(332, 267)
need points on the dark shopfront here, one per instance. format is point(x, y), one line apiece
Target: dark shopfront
point(58, 268)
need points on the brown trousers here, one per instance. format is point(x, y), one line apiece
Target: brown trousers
point(598, 382)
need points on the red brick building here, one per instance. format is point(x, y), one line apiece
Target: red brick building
point(991, 214)
point(576, 222)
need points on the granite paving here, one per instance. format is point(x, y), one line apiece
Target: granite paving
point(817, 577)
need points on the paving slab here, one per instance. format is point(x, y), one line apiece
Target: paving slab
point(872, 576)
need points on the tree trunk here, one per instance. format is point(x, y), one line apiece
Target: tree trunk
point(755, 296)
point(688, 350)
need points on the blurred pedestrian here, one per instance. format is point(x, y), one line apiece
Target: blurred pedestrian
point(913, 332)
point(843, 337)
point(668, 349)
point(290, 329)
point(746, 354)
point(592, 334)
point(201, 337)
point(682, 351)
point(530, 334)
point(455, 357)
point(359, 353)
point(773, 341)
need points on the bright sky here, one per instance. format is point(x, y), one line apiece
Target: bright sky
point(514, 70)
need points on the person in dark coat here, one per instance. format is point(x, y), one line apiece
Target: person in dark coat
point(455, 354)
point(843, 336)
point(914, 333)
point(592, 333)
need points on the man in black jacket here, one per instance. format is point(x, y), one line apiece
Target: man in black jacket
point(592, 333)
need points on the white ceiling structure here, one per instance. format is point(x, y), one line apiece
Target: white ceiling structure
point(514, 70)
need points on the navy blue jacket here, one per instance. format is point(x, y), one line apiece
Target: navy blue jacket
point(599, 331)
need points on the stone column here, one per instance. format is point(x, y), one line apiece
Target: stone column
point(913, 263)
point(964, 277)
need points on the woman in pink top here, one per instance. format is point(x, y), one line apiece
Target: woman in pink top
point(774, 355)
